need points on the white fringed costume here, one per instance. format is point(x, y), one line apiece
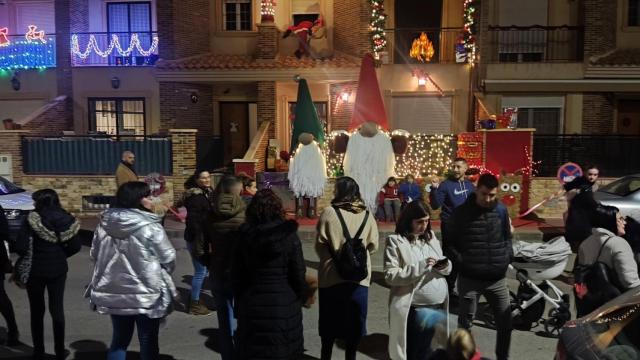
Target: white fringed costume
point(308, 171)
point(370, 161)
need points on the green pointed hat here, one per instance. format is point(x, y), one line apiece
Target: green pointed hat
point(306, 118)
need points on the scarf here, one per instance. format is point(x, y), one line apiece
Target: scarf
point(355, 207)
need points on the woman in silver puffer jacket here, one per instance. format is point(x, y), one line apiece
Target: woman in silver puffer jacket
point(131, 279)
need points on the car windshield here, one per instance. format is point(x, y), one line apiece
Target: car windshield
point(7, 187)
point(617, 334)
point(622, 187)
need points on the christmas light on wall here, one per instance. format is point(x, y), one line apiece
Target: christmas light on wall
point(92, 47)
point(376, 27)
point(267, 10)
point(469, 29)
point(36, 51)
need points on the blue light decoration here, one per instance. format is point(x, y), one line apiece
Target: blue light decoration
point(24, 54)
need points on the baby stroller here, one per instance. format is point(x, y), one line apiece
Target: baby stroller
point(540, 262)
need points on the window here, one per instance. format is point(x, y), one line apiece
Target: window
point(125, 19)
point(546, 120)
point(115, 116)
point(634, 13)
point(423, 114)
point(236, 15)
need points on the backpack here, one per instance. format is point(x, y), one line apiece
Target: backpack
point(351, 260)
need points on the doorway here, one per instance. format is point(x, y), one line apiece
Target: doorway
point(234, 128)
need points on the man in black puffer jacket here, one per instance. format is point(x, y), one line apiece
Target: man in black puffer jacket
point(481, 250)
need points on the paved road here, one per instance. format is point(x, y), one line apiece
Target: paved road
point(188, 337)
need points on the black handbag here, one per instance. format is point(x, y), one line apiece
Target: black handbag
point(600, 280)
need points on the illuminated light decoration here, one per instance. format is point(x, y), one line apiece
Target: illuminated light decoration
point(267, 10)
point(427, 155)
point(620, 315)
point(422, 48)
point(376, 28)
point(423, 76)
point(4, 37)
point(24, 55)
point(33, 34)
point(468, 36)
point(93, 47)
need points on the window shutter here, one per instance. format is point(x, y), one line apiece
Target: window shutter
point(41, 14)
point(423, 114)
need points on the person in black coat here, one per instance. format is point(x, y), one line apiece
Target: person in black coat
point(268, 276)
point(54, 234)
point(6, 308)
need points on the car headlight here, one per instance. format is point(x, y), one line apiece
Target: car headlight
point(12, 214)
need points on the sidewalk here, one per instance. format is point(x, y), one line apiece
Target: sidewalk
point(526, 230)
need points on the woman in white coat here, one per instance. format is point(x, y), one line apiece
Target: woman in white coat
point(415, 269)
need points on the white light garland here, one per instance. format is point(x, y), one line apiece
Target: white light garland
point(134, 43)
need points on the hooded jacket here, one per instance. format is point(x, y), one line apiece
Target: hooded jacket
point(228, 215)
point(268, 275)
point(55, 237)
point(449, 195)
point(133, 260)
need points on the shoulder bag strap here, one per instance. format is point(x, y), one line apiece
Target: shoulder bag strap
point(602, 247)
point(345, 231)
point(361, 228)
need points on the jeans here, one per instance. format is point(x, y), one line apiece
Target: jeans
point(123, 332)
point(200, 272)
point(223, 295)
point(421, 327)
point(497, 294)
point(35, 291)
point(392, 209)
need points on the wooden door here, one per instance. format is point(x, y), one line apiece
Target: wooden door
point(234, 120)
point(629, 117)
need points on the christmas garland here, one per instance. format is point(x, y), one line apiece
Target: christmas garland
point(376, 27)
point(469, 30)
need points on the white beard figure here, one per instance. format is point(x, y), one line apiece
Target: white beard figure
point(308, 171)
point(370, 161)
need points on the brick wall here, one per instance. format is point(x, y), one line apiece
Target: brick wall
point(177, 111)
point(267, 105)
point(183, 148)
point(351, 27)
point(63, 39)
point(11, 143)
point(267, 42)
point(52, 121)
point(341, 111)
point(72, 189)
point(79, 16)
point(183, 28)
point(600, 19)
point(543, 187)
point(597, 113)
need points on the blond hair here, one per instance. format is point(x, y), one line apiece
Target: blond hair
point(461, 345)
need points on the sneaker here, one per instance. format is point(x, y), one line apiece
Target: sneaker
point(196, 308)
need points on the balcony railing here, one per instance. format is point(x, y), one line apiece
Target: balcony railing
point(444, 42)
point(614, 154)
point(535, 44)
point(16, 52)
point(114, 49)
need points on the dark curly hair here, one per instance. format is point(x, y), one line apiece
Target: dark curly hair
point(265, 207)
point(413, 211)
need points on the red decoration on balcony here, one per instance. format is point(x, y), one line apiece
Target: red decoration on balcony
point(4, 40)
point(33, 34)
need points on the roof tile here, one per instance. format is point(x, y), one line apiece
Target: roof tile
point(242, 62)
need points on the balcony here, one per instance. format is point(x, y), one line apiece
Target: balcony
point(443, 40)
point(522, 44)
point(114, 49)
point(30, 51)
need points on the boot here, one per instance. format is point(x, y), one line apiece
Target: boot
point(299, 207)
point(311, 212)
point(197, 308)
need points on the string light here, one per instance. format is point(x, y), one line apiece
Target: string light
point(134, 43)
point(267, 10)
point(619, 316)
point(376, 27)
point(469, 29)
point(23, 55)
point(4, 37)
point(33, 34)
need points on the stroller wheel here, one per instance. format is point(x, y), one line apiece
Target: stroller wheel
point(557, 318)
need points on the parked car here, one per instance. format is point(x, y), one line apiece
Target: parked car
point(610, 332)
point(623, 193)
point(17, 203)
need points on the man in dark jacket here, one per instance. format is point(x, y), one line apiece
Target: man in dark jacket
point(480, 234)
point(6, 308)
point(448, 195)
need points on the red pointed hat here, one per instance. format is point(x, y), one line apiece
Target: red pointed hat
point(369, 105)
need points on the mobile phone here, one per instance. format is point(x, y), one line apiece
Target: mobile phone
point(441, 262)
